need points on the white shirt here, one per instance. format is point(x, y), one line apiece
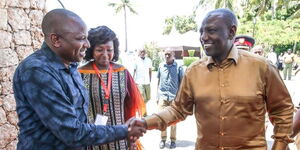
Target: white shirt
point(272, 57)
point(142, 70)
point(128, 60)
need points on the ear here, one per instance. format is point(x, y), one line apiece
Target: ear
point(232, 32)
point(55, 40)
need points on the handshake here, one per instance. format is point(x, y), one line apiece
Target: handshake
point(136, 129)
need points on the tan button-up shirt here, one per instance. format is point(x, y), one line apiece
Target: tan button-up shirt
point(230, 101)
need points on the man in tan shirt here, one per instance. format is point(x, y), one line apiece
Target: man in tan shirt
point(229, 93)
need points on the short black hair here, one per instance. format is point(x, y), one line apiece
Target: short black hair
point(52, 21)
point(102, 35)
point(225, 13)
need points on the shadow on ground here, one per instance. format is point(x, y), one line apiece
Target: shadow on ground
point(182, 143)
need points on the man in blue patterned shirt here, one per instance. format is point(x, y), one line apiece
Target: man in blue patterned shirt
point(169, 77)
point(52, 102)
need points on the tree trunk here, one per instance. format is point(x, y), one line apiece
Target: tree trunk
point(125, 23)
point(294, 47)
point(274, 6)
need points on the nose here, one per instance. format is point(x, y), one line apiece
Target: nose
point(203, 37)
point(87, 44)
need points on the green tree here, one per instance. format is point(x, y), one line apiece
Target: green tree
point(187, 23)
point(246, 10)
point(154, 54)
point(123, 5)
point(280, 9)
point(182, 24)
point(274, 32)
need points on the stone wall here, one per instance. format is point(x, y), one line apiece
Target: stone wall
point(20, 35)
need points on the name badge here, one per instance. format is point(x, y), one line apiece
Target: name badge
point(101, 120)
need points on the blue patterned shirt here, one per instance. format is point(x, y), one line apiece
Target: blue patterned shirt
point(52, 106)
point(169, 80)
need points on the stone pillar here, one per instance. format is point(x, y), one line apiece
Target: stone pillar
point(20, 35)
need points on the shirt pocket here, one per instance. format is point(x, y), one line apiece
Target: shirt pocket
point(249, 106)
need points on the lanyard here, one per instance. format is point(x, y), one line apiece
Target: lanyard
point(106, 88)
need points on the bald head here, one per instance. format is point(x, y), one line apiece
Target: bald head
point(59, 21)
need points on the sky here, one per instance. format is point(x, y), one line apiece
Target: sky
point(145, 27)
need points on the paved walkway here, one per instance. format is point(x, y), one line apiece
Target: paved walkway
point(186, 130)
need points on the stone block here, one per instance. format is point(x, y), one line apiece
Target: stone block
point(19, 3)
point(18, 19)
point(12, 145)
point(27, 10)
point(22, 38)
point(2, 3)
point(38, 4)
point(3, 19)
point(6, 77)
point(9, 103)
point(7, 87)
point(23, 52)
point(5, 39)
point(3, 119)
point(6, 74)
point(36, 17)
point(1, 100)
point(8, 134)
point(37, 37)
point(8, 57)
point(12, 118)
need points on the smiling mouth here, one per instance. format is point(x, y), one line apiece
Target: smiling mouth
point(206, 46)
point(82, 53)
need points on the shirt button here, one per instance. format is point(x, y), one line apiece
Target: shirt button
point(222, 118)
point(222, 133)
point(222, 85)
point(222, 148)
point(221, 70)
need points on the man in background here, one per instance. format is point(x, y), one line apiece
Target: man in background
point(169, 76)
point(142, 74)
point(244, 42)
point(272, 56)
point(288, 60)
point(258, 50)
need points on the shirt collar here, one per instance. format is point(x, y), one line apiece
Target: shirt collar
point(232, 56)
point(173, 64)
point(55, 61)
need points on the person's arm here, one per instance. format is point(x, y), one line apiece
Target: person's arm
point(150, 69)
point(134, 70)
point(58, 113)
point(134, 101)
point(296, 124)
point(150, 74)
point(158, 81)
point(181, 73)
point(280, 107)
point(181, 107)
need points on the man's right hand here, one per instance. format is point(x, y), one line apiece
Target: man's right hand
point(136, 129)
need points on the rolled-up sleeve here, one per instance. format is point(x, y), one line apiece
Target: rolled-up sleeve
point(45, 93)
point(280, 107)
